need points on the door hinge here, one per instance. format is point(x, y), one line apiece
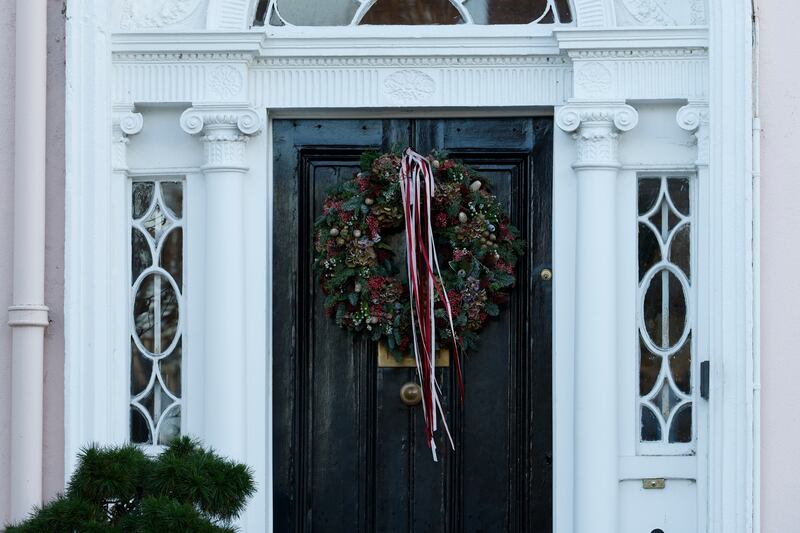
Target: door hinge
point(705, 375)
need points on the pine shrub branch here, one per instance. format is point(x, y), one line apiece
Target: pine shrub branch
point(121, 489)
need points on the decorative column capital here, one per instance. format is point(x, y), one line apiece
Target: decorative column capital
point(596, 128)
point(694, 118)
point(225, 132)
point(124, 123)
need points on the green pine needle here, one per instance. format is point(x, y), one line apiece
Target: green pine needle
point(121, 489)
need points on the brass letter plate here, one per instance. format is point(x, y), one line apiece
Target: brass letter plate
point(387, 360)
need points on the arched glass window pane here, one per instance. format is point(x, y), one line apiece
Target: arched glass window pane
point(411, 12)
point(518, 11)
point(312, 12)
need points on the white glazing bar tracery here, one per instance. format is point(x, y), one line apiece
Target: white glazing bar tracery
point(665, 315)
point(355, 12)
point(157, 314)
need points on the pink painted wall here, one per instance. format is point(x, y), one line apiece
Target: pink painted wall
point(780, 266)
point(54, 292)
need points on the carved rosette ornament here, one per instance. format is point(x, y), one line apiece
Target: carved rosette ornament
point(409, 86)
point(225, 132)
point(694, 118)
point(124, 123)
point(596, 130)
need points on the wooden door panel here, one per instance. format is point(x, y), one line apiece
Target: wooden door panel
point(317, 418)
point(348, 455)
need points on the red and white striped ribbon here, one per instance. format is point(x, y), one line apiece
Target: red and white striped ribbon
point(425, 281)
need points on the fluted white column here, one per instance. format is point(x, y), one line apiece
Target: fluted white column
point(28, 315)
point(224, 132)
point(596, 128)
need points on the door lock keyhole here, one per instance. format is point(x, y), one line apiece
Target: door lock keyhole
point(411, 394)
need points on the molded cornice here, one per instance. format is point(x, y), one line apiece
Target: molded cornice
point(632, 38)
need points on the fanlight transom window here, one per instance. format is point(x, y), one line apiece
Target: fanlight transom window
point(411, 12)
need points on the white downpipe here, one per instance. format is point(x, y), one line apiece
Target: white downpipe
point(28, 315)
point(596, 128)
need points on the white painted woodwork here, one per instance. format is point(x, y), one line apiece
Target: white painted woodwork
point(162, 61)
point(596, 128)
point(225, 132)
point(727, 289)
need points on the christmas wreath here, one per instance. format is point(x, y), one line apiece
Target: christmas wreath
point(364, 289)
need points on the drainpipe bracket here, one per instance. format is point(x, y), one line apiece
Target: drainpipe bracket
point(28, 316)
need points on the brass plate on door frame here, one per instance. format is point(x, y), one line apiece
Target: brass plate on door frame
point(387, 360)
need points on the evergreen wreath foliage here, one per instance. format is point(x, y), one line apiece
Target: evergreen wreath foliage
point(121, 489)
point(365, 291)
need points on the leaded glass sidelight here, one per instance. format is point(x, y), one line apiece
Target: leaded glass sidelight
point(665, 310)
point(411, 12)
point(156, 226)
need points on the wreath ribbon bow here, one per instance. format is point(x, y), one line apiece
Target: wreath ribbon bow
point(425, 282)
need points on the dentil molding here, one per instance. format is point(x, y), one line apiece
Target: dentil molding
point(224, 132)
point(596, 127)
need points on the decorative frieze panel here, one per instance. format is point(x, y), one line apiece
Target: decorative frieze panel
point(641, 74)
point(180, 77)
point(422, 82)
point(345, 82)
point(412, 81)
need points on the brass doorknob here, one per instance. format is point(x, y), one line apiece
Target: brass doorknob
point(546, 274)
point(411, 394)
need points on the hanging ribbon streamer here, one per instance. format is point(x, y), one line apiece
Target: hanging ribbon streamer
point(425, 283)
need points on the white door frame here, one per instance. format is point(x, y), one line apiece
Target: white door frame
point(227, 68)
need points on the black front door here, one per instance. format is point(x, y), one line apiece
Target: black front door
point(348, 455)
